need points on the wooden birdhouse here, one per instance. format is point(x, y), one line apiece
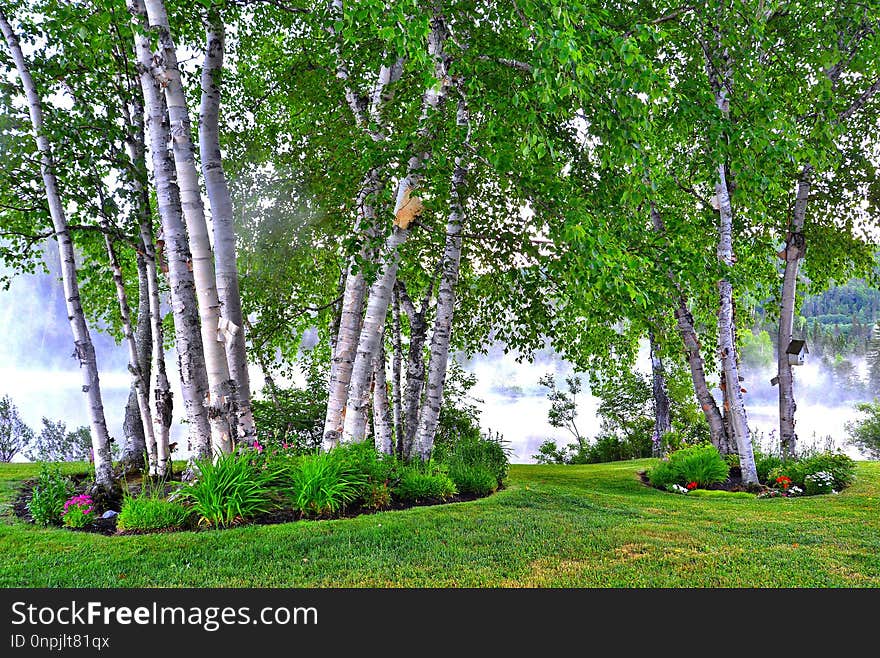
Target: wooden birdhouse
point(797, 352)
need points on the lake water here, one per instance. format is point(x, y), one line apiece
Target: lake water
point(38, 371)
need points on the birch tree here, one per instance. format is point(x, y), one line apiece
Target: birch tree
point(232, 329)
point(84, 348)
point(221, 396)
point(184, 306)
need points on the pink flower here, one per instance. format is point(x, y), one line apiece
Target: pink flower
point(257, 446)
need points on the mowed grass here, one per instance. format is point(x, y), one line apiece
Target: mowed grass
point(553, 526)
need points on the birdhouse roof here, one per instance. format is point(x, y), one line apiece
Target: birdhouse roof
point(797, 346)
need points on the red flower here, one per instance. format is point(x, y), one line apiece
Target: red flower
point(784, 481)
point(692, 485)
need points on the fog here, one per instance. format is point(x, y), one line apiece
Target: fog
point(39, 372)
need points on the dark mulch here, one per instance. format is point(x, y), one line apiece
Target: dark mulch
point(136, 485)
point(732, 483)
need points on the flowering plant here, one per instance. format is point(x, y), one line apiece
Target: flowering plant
point(79, 511)
point(692, 485)
point(819, 483)
point(783, 481)
point(677, 488)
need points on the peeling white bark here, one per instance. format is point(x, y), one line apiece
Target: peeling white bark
point(350, 318)
point(174, 243)
point(429, 415)
point(223, 227)
point(134, 366)
point(726, 341)
point(382, 435)
point(221, 399)
point(795, 247)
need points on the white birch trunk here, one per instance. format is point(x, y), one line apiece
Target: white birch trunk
point(726, 342)
point(221, 395)
point(662, 421)
point(175, 244)
point(135, 446)
point(223, 227)
point(382, 428)
point(151, 314)
point(693, 351)
point(429, 415)
point(134, 362)
point(354, 424)
point(380, 292)
point(396, 371)
point(795, 247)
point(85, 350)
point(415, 366)
point(350, 319)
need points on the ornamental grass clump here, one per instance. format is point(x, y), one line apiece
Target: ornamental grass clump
point(231, 489)
point(696, 466)
point(151, 511)
point(322, 484)
point(424, 483)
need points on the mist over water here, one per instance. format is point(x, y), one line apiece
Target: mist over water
point(39, 372)
point(514, 404)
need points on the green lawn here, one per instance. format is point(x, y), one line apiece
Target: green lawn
point(553, 526)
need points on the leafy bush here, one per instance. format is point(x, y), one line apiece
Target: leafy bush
point(550, 453)
point(821, 482)
point(476, 479)
point(362, 459)
point(864, 432)
point(49, 495)
point(421, 483)
point(378, 496)
point(55, 443)
point(322, 484)
point(150, 511)
point(293, 418)
point(701, 464)
point(79, 511)
point(230, 489)
point(475, 451)
point(841, 467)
point(764, 464)
point(663, 475)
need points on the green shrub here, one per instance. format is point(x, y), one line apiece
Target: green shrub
point(150, 511)
point(378, 496)
point(607, 448)
point(701, 464)
point(764, 464)
point(420, 483)
point(363, 459)
point(864, 431)
point(663, 475)
point(821, 482)
point(475, 451)
point(49, 495)
point(841, 467)
point(322, 484)
point(792, 469)
point(230, 489)
point(476, 479)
